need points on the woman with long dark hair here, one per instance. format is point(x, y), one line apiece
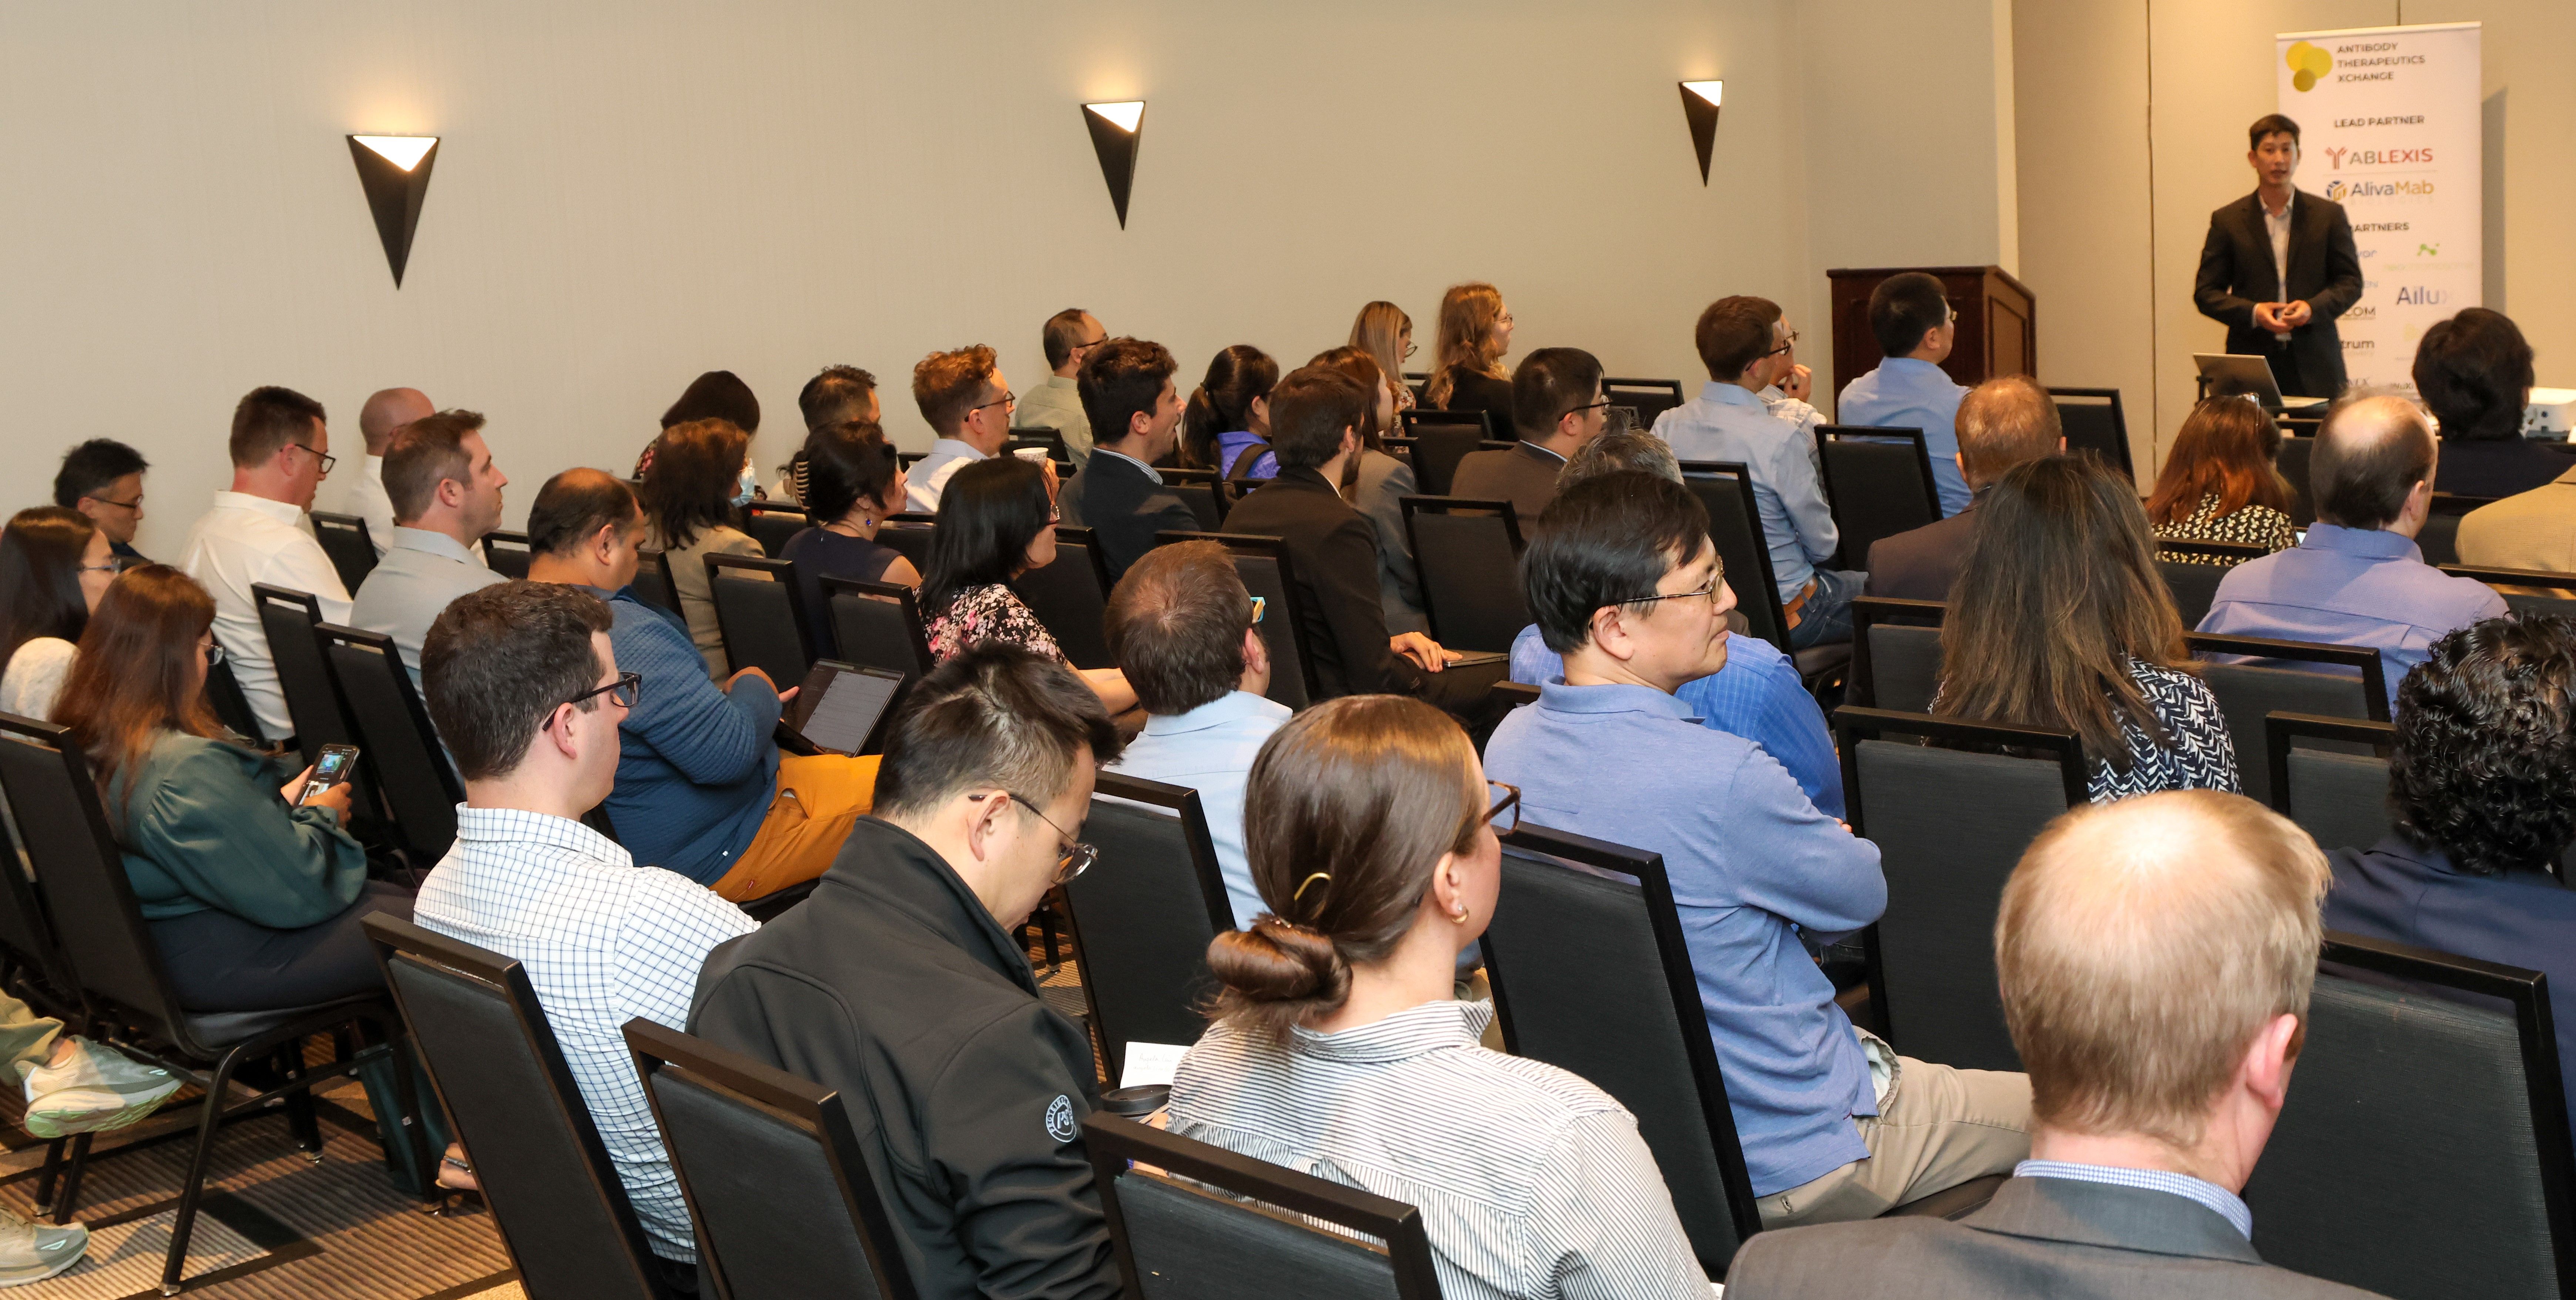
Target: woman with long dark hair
point(997, 521)
point(2219, 483)
point(853, 481)
point(1226, 425)
point(54, 565)
point(700, 480)
point(1378, 484)
point(1467, 363)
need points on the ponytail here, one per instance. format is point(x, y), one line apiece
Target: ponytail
point(1199, 431)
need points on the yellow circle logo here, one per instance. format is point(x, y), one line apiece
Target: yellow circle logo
point(2307, 64)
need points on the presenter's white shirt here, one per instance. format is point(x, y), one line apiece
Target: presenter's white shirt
point(245, 540)
point(2279, 228)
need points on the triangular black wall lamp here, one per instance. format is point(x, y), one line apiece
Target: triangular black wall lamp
point(1699, 104)
point(1115, 129)
point(394, 170)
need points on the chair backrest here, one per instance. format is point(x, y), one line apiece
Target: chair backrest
point(395, 740)
point(506, 554)
point(1200, 490)
point(877, 625)
point(1470, 553)
point(909, 534)
point(786, 1205)
point(908, 459)
point(1262, 563)
point(2526, 591)
point(26, 934)
point(2194, 587)
point(1879, 483)
point(653, 582)
point(1896, 652)
point(1044, 438)
point(2340, 800)
point(2439, 539)
point(1200, 1246)
point(2292, 461)
point(2423, 1149)
point(2093, 424)
point(232, 708)
point(344, 538)
point(1932, 955)
point(1441, 439)
point(2345, 683)
point(1144, 914)
point(1648, 397)
point(1725, 489)
point(289, 618)
point(490, 1052)
point(757, 613)
point(1591, 974)
point(1071, 596)
point(772, 523)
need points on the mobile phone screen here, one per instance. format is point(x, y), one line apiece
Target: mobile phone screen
point(330, 768)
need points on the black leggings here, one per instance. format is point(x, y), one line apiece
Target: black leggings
point(221, 962)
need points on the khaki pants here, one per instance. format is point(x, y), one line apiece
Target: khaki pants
point(819, 797)
point(1936, 1128)
point(26, 1039)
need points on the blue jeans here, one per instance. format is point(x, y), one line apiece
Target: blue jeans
point(1826, 617)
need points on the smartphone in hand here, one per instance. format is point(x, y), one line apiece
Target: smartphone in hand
point(330, 768)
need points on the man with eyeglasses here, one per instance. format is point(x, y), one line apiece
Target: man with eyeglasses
point(1915, 326)
point(1069, 337)
point(257, 532)
point(900, 985)
point(523, 684)
point(103, 479)
point(1558, 406)
point(968, 404)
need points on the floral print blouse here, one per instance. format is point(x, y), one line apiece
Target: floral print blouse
point(991, 612)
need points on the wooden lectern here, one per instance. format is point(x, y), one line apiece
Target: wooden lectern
point(1996, 333)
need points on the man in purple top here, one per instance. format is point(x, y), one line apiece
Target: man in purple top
point(2358, 578)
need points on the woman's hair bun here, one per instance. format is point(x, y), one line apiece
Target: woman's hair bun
point(1276, 974)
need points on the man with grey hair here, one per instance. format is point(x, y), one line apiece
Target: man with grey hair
point(2001, 422)
point(388, 412)
point(1069, 336)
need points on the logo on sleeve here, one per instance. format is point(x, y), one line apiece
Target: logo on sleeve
point(1059, 1119)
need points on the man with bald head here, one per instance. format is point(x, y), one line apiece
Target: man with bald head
point(2155, 956)
point(387, 412)
point(2358, 578)
point(2001, 422)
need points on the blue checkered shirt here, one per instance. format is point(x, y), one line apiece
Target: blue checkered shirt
point(2220, 1201)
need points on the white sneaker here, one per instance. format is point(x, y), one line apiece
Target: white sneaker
point(96, 1089)
point(32, 1252)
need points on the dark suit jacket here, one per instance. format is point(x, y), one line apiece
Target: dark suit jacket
point(1922, 563)
point(2499, 468)
point(2236, 272)
point(1334, 554)
point(1524, 476)
point(2038, 1237)
point(1114, 499)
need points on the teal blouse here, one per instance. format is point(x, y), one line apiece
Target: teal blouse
point(202, 827)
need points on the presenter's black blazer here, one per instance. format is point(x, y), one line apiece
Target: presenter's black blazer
point(1123, 508)
point(2236, 272)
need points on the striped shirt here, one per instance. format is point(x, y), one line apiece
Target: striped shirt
point(1532, 1183)
point(2221, 1202)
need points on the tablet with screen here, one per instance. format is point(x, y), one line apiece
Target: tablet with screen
point(842, 706)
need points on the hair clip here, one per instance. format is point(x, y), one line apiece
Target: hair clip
point(1299, 896)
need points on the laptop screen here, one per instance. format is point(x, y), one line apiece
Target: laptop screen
point(841, 705)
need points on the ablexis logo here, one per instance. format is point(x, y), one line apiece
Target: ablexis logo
point(2339, 155)
point(2342, 190)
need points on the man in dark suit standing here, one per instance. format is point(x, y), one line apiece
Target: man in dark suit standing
point(2279, 267)
point(2002, 422)
point(1126, 390)
point(1557, 406)
point(2156, 957)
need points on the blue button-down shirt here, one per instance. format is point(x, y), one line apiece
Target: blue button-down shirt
point(2351, 586)
point(2219, 1201)
point(1210, 749)
point(1752, 864)
point(1727, 423)
point(1904, 393)
point(1757, 695)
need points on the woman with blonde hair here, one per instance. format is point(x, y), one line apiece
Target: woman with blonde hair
point(1339, 1047)
point(1467, 366)
point(2219, 483)
point(1386, 334)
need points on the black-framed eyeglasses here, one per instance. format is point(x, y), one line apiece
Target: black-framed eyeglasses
point(1410, 348)
point(1505, 815)
point(135, 504)
point(1073, 856)
point(1086, 347)
point(214, 654)
point(628, 688)
point(1785, 345)
point(110, 567)
point(327, 459)
point(1587, 406)
point(1007, 401)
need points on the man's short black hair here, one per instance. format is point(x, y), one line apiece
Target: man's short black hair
point(1905, 307)
point(267, 419)
point(836, 396)
point(2360, 479)
point(2270, 124)
point(1310, 409)
point(2474, 371)
point(2485, 763)
point(1121, 378)
point(574, 505)
point(995, 716)
point(1606, 541)
point(500, 660)
point(1550, 384)
point(1061, 335)
point(93, 465)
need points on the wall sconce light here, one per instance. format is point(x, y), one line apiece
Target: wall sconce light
point(394, 171)
point(1699, 105)
point(1115, 129)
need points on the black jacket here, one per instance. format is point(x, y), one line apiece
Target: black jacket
point(2498, 467)
point(1922, 563)
point(1113, 498)
point(1333, 552)
point(1524, 476)
point(1472, 390)
point(894, 986)
point(2236, 272)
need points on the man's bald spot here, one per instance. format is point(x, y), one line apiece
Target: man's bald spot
point(387, 411)
point(2371, 421)
point(2003, 422)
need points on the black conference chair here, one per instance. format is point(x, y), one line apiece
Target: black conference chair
point(1048, 440)
point(2093, 425)
point(2440, 539)
point(1400, 447)
point(224, 696)
point(396, 742)
point(1591, 974)
point(1878, 482)
point(2526, 591)
point(562, 1213)
point(1199, 490)
point(1262, 563)
point(506, 554)
point(1896, 653)
point(294, 649)
point(344, 538)
point(877, 625)
point(1649, 398)
point(1167, 1225)
point(773, 1172)
point(1735, 525)
point(126, 986)
point(2423, 1150)
point(771, 524)
point(760, 618)
point(909, 534)
point(1469, 553)
point(1441, 439)
point(1071, 597)
point(2194, 586)
point(653, 582)
point(2292, 461)
point(1931, 957)
point(2285, 677)
point(1143, 916)
point(2339, 799)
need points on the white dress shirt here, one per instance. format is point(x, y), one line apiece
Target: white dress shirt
point(247, 539)
point(2278, 226)
point(930, 474)
point(369, 501)
point(1210, 749)
point(412, 586)
point(603, 941)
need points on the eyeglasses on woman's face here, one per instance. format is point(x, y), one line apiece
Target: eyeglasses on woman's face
point(1505, 814)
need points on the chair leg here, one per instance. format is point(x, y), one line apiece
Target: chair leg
point(72, 1180)
point(414, 1132)
point(46, 1177)
point(300, 1118)
point(209, 1122)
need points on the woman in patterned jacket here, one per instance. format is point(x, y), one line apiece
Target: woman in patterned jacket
point(2219, 483)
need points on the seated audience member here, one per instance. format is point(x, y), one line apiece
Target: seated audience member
point(1628, 587)
point(1738, 339)
point(1315, 415)
point(836, 396)
point(1467, 357)
point(387, 413)
point(2483, 787)
point(853, 481)
point(2358, 578)
point(715, 395)
point(1181, 625)
point(253, 893)
point(701, 787)
point(1340, 1047)
point(1126, 386)
point(978, 1085)
point(2219, 482)
point(281, 452)
point(2003, 422)
point(701, 477)
point(1790, 387)
point(2062, 546)
point(968, 404)
point(1915, 326)
point(2528, 530)
point(1376, 484)
point(1384, 332)
point(2474, 372)
point(1556, 395)
point(1068, 338)
point(54, 566)
point(103, 479)
point(997, 522)
point(1226, 424)
point(2156, 958)
point(446, 492)
point(524, 686)
point(1757, 694)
